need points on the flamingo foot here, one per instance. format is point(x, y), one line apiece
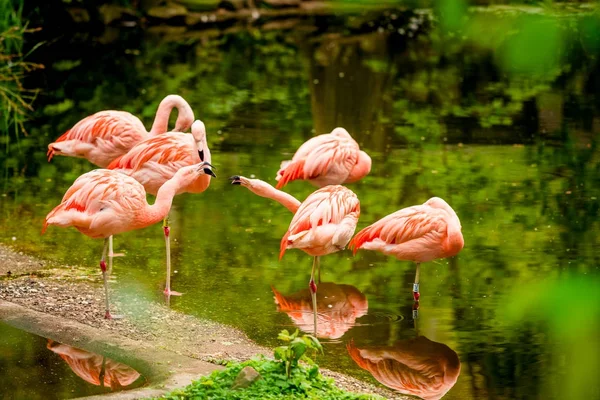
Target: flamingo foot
point(108, 315)
point(171, 293)
point(116, 255)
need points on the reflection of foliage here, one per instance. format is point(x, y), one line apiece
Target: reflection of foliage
point(487, 69)
point(570, 309)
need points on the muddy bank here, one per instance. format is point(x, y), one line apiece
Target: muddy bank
point(67, 304)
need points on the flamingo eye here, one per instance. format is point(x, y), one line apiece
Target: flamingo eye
point(201, 154)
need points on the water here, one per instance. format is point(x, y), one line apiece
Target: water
point(34, 367)
point(432, 114)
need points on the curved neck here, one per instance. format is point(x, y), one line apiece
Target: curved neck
point(454, 241)
point(265, 190)
point(164, 198)
point(185, 115)
point(361, 168)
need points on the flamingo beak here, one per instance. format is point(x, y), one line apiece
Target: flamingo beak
point(235, 180)
point(207, 168)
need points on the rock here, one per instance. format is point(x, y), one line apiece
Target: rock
point(245, 378)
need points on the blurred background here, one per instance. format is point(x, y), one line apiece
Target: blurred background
point(492, 105)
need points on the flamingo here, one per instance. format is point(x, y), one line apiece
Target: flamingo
point(322, 224)
point(419, 233)
point(418, 366)
point(329, 159)
point(106, 135)
point(102, 202)
point(339, 307)
point(94, 368)
point(155, 160)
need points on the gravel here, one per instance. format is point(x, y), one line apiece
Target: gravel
point(77, 293)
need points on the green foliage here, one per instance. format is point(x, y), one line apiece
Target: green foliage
point(570, 308)
point(15, 100)
point(295, 350)
point(304, 383)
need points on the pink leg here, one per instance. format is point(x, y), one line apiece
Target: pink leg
point(168, 292)
point(415, 311)
point(313, 292)
point(110, 251)
point(416, 293)
point(107, 315)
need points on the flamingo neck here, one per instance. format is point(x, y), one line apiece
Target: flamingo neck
point(283, 198)
point(185, 115)
point(361, 168)
point(454, 240)
point(164, 199)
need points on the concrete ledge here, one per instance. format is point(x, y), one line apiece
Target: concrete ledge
point(164, 370)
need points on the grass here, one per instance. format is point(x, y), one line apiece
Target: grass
point(305, 382)
point(15, 100)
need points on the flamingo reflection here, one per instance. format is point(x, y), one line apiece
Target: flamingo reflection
point(338, 308)
point(417, 366)
point(95, 368)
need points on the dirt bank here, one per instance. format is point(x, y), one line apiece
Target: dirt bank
point(76, 296)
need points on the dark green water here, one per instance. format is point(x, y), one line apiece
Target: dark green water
point(34, 368)
point(517, 158)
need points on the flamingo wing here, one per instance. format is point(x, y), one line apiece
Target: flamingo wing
point(165, 149)
point(319, 156)
point(95, 195)
point(326, 214)
point(403, 226)
point(101, 137)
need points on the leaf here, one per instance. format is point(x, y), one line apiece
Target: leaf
point(299, 349)
point(279, 353)
point(284, 335)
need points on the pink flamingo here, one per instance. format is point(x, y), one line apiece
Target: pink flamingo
point(339, 307)
point(106, 135)
point(102, 203)
point(94, 368)
point(322, 224)
point(330, 159)
point(418, 233)
point(418, 366)
point(157, 159)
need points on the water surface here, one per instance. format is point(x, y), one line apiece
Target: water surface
point(517, 159)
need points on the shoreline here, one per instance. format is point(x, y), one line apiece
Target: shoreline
point(66, 304)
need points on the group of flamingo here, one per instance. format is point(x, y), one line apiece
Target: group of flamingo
point(112, 200)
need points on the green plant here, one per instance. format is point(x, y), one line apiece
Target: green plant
point(295, 351)
point(15, 99)
point(305, 383)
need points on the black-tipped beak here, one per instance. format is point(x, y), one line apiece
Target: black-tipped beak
point(210, 172)
point(235, 180)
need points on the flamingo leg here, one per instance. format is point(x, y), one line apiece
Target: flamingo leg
point(416, 293)
point(111, 253)
point(319, 272)
point(107, 315)
point(313, 291)
point(167, 231)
